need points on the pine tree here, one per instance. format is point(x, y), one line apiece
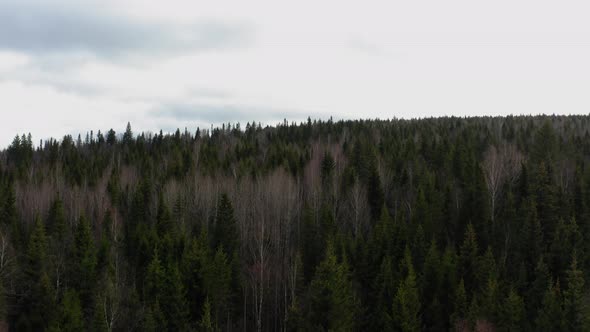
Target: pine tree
point(164, 223)
point(173, 301)
point(490, 302)
point(332, 298)
point(310, 243)
point(99, 323)
point(577, 315)
point(537, 289)
point(375, 191)
point(486, 268)
point(9, 215)
point(512, 313)
point(326, 173)
point(406, 307)
point(38, 302)
point(3, 309)
point(385, 293)
point(84, 264)
point(154, 288)
point(36, 252)
point(111, 137)
point(71, 318)
point(154, 277)
point(461, 305)
point(57, 220)
point(551, 317)
point(128, 135)
point(194, 261)
point(217, 282)
point(206, 324)
point(468, 258)
point(431, 287)
point(225, 232)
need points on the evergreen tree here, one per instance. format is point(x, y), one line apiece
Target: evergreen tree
point(512, 313)
point(469, 257)
point(173, 301)
point(311, 243)
point(486, 268)
point(128, 135)
point(57, 220)
point(576, 311)
point(71, 318)
point(217, 282)
point(206, 324)
point(154, 289)
point(538, 287)
point(225, 232)
point(84, 264)
point(406, 308)
point(194, 261)
point(385, 293)
point(551, 316)
point(332, 299)
point(461, 305)
point(38, 302)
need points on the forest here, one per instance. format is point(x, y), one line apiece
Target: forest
point(435, 224)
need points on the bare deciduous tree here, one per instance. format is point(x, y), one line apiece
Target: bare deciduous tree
point(500, 165)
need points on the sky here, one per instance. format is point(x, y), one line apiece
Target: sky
point(68, 67)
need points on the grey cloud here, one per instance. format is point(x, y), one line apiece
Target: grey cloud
point(45, 29)
point(207, 114)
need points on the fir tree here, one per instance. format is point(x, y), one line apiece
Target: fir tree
point(332, 299)
point(512, 313)
point(406, 307)
point(551, 316)
point(575, 309)
point(71, 318)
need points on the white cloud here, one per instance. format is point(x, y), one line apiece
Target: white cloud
point(340, 58)
point(10, 61)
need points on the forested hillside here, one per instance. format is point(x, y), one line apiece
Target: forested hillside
point(461, 224)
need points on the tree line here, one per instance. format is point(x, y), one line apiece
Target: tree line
point(439, 224)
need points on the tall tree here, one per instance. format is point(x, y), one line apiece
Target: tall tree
point(577, 315)
point(332, 300)
point(406, 307)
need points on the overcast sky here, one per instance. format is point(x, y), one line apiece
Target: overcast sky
point(71, 66)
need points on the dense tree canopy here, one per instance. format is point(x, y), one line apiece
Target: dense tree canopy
point(466, 224)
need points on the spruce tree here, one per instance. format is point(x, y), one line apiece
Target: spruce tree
point(71, 318)
point(512, 313)
point(576, 311)
point(468, 258)
point(332, 305)
point(550, 316)
point(84, 264)
point(225, 232)
point(406, 307)
point(461, 305)
point(206, 324)
point(217, 281)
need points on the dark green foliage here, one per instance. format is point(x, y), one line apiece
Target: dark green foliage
point(406, 305)
point(550, 316)
point(319, 226)
point(512, 313)
point(332, 301)
point(71, 317)
point(206, 324)
point(84, 264)
point(225, 234)
point(468, 258)
point(577, 315)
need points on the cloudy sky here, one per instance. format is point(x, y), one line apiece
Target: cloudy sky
point(71, 66)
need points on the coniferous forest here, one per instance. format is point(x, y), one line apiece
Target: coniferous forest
point(440, 224)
